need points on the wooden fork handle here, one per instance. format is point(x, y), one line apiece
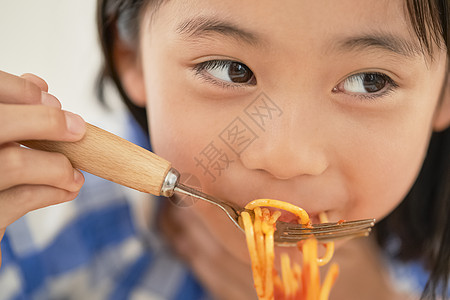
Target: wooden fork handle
point(108, 156)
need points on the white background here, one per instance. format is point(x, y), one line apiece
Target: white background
point(57, 40)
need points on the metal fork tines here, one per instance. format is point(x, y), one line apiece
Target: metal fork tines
point(325, 232)
point(288, 233)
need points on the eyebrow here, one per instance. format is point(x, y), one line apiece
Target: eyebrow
point(385, 42)
point(202, 27)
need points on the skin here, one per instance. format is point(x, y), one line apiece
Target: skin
point(35, 179)
point(332, 151)
point(350, 153)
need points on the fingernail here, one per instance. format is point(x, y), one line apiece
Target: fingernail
point(49, 100)
point(78, 177)
point(75, 124)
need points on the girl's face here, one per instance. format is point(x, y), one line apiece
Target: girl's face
point(327, 106)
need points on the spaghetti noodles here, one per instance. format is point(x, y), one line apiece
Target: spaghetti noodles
point(296, 282)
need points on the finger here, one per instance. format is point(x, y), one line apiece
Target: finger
point(50, 100)
point(14, 89)
point(36, 80)
point(27, 89)
point(19, 200)
point(37, 122)
point(26, 166)
point(46, 98)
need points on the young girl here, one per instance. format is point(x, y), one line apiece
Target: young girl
point(338, 107)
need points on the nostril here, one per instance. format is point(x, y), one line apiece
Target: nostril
point(290, 170)
point(285, 174)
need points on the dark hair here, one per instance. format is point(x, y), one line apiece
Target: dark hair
point(421, 222)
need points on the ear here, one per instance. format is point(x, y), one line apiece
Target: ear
point(442, 115)
point(130, 72)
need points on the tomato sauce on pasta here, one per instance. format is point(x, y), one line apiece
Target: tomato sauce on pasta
point(299, 282)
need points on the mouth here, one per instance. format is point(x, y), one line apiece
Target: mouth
point(285, 216)
point(289, 212)
point(289, 217)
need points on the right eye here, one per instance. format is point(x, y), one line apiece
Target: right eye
point(228, 71)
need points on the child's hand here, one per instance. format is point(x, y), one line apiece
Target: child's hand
point(32, 179)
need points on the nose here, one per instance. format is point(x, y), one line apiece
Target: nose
point(292, 145)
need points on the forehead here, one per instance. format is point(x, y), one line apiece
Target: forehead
point(295, 18)
point(292, 25)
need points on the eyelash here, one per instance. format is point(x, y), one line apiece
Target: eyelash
point(391, 88)
point(217, 63)
point(200, 68)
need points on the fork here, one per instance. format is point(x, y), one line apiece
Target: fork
point(288, 233)
point(106, 155)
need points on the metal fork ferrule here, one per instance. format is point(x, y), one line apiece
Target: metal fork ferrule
point(170, 182)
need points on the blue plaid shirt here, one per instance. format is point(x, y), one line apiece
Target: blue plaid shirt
point(91, 248)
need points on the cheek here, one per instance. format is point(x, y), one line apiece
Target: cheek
point(386, 180)
point(178, 133)
point(175, 125)
point(181, 122)
point(174, 136)
point(382, 166)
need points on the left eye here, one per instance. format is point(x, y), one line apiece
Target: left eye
point(229, 71)
point(365, 83)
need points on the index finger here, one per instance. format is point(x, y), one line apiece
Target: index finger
point(18, 90)
point(36, 80)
